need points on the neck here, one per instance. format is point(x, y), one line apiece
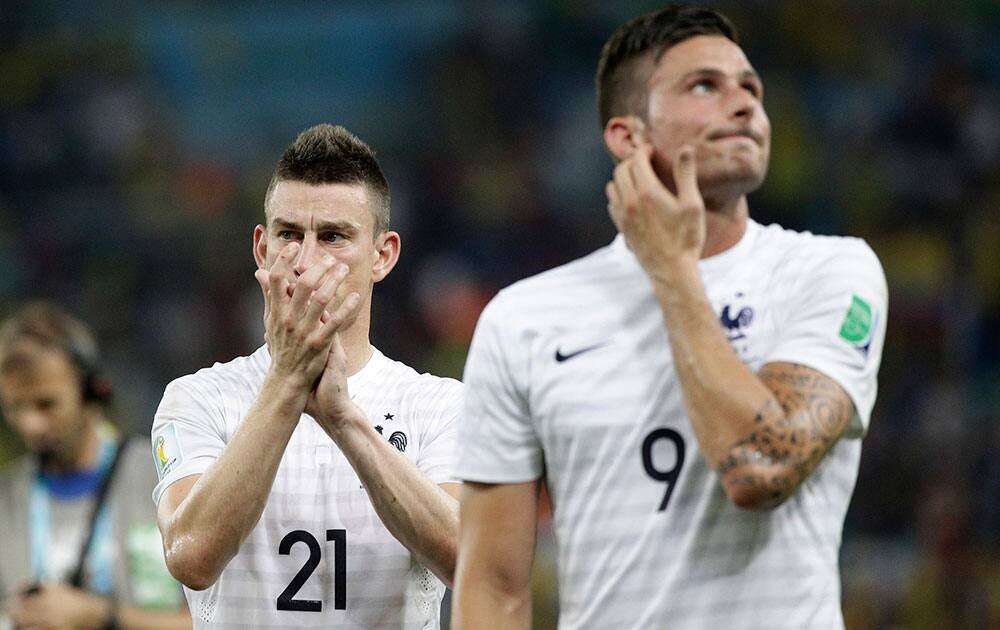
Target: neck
point(83, 455)
point(358, 352)
point(725, 224)
point(355, 339)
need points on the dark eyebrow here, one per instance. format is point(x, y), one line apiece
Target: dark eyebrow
point(716, 73)
point(286, 225)
point(322, 226)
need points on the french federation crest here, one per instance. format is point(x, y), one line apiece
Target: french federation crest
point(398, 439)
point(736, 318)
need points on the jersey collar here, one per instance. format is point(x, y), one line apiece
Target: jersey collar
point(620, 251)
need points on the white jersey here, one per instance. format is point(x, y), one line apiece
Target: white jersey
point(570, 377)
point(319, 556)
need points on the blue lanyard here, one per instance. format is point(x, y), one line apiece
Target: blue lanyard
point(40, 520)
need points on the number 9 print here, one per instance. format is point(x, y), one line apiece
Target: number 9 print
point(667, 476)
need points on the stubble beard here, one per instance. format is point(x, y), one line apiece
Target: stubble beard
point(729, 179)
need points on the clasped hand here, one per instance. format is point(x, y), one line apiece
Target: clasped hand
point(303, 319)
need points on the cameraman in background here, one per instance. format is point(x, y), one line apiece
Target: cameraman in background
point(80, 544)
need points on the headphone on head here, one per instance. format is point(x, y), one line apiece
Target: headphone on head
point(82, 351)
point(50, 327)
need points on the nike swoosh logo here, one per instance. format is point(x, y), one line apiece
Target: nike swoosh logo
point(560, 357)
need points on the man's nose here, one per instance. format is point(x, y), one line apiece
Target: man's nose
point(307, 254)
point(32, 423)
point(742, 104)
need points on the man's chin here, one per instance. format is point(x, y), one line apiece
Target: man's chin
point(45, 455)
point(731, 182)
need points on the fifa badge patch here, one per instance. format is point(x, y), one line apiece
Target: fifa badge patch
point(166, 450)
point(858, 324)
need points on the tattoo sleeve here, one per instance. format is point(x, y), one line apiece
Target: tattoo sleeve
point(791, 432)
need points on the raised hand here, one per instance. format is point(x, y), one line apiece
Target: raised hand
point(663, 229)
point(329, 401)
point(302, 316)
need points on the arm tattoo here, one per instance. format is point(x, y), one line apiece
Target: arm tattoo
point(792, 431)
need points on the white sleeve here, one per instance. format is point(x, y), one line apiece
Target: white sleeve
point(497, 441)
point(188, 432)
point(835, 323)
point(443, 406)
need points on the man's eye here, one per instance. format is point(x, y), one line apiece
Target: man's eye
point(703, 87)
point(331, 237)
point(286, 235)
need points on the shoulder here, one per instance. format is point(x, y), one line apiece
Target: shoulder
point(808, 255)
point(794, 243)
point(551, 296)
point(241, 374)
point(17, 473)
point(415, 385)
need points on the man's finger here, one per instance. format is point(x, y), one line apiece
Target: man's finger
point(614, 204)
point(344, 314)
point(306, 284)
point(324, 295)
point(644, 175)
point(638, 132)
point(624, 185)
point(612, 193)
point(686, 176)
point(280, 271)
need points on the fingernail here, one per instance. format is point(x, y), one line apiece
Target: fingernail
point(328, 260)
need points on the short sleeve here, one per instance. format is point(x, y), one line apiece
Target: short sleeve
point(188, 432)
point(497, 440)
point(835, 323)
point(442, 408)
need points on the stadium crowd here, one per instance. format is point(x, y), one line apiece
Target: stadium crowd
point(135, 142)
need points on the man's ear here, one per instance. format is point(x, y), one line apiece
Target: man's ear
point(623, 134)
point(260, 245)
point(386, 254)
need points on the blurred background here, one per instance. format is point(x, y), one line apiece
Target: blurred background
point(137, 140)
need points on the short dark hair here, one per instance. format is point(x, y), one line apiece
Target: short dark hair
point(621, 88)
point(45, 325)
point(330, 154)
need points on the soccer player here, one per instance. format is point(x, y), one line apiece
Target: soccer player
point(310, 483)
point(80, 547)
point(693, 395)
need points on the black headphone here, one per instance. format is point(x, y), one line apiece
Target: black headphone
point(51, 327)
point(94, 385)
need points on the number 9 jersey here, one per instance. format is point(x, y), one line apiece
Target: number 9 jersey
point(319, 556)
point(570, 376)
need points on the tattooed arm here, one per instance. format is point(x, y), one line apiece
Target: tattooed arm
point(763, 433)
point(792, 433)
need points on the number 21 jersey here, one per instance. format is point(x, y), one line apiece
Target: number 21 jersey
point(319, 556)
